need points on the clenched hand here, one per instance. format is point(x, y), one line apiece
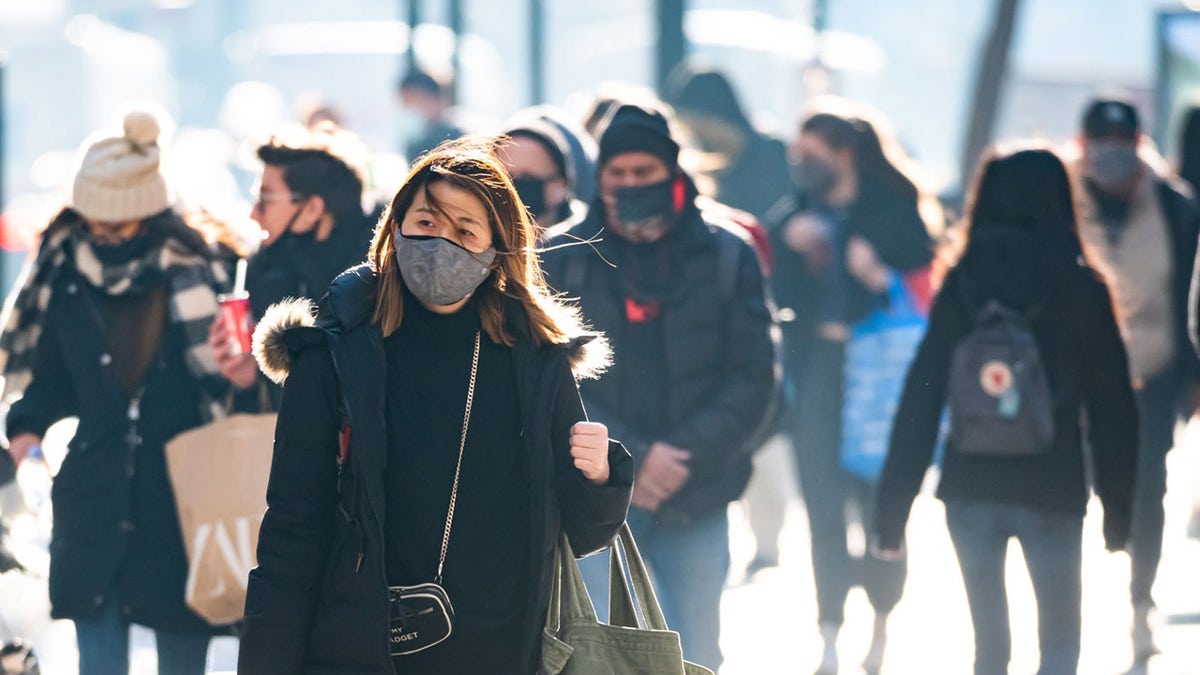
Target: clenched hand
point(589, 448)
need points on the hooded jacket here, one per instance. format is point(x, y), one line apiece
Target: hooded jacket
point(317, 602)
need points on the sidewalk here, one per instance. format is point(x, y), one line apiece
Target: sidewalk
point(769, 624)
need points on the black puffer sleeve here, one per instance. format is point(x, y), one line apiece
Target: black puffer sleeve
point(294, 541)
point(591, 514)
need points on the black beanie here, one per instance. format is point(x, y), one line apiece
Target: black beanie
point(632, 128)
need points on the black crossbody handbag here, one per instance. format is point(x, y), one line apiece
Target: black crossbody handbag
point(421, 616)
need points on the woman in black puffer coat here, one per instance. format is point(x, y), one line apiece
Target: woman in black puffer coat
point(445, 352)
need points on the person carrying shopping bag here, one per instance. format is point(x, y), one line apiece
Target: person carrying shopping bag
point(431, 445)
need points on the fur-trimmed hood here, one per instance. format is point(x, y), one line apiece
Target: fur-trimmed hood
point(271, 348)
point(286, 324)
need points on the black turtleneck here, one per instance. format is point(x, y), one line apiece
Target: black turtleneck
point(486, 570)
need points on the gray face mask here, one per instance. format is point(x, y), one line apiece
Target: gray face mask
point(438, 271)
point(1113, 163)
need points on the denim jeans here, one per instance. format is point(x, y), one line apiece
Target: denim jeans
point(103, 642)
point(1157, 404)
point(689, 564)
point(1052, 545)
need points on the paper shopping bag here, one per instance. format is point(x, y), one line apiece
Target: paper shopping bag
point(219, 473)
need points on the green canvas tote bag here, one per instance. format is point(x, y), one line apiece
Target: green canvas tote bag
point(574, 642)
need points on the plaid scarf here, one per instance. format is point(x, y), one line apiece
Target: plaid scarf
point(191, 278)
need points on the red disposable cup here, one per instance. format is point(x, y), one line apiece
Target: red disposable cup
point(235, 313)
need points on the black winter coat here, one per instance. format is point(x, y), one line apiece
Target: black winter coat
point(317, 602)
point(1084, 358)
point(720, 372)
point(299, 267)
point(115, 522)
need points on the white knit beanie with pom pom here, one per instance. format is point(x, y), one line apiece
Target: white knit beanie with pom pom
point(119, 179)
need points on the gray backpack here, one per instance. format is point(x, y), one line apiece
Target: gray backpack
point(999, 396)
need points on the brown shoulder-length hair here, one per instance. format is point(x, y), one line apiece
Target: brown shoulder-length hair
point(469, 163)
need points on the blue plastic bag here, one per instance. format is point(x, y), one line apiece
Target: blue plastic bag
point(878, 354)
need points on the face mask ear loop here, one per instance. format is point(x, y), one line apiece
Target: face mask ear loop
point(292, 221)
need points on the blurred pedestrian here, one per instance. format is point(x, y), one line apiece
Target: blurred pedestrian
point(309, 207)
point(856, 223)
point(109, 324)
point(538, 158)
point(752, 175)
point(313, 110)
point(582, 148)
point(1022, 256)
point(1139, 228)
point(361, 479)
point(682, 298)
point(425, 105)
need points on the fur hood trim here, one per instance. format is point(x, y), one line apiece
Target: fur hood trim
point(270, 345)
point(590, 355)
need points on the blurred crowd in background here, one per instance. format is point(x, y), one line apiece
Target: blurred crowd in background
point(839, 139)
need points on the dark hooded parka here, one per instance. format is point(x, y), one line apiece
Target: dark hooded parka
point(318, 602)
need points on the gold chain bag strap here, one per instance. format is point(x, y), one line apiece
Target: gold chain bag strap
point(421, 616)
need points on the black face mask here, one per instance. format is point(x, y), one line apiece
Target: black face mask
point(119, 254)
point(289, 242)
point(532, 192)
point(642, 202)
point(285, 255)
point(645, 212)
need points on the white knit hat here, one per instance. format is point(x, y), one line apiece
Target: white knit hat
point(119, 179)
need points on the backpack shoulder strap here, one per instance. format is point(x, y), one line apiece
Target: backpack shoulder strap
point(729, 251)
